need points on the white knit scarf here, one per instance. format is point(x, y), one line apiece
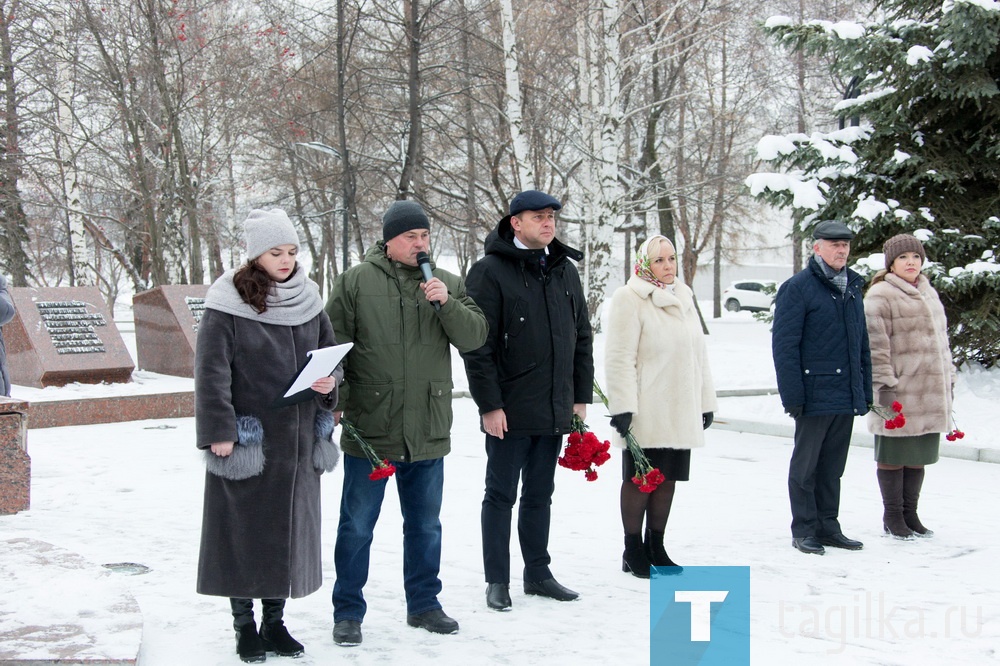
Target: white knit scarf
point(290, 303)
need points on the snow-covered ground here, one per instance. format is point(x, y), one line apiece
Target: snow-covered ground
point(132, 492)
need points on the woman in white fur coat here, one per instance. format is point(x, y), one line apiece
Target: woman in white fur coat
point(660, 387)
point(911, 364)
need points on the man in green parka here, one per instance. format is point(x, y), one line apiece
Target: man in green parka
point(397, 394)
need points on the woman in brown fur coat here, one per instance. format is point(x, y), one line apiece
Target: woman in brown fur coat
point(911, 364)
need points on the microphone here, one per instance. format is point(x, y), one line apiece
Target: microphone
point(424, 264)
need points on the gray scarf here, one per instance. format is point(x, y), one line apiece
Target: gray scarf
point(290, 303)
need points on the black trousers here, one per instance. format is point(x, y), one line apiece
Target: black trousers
point(533, 460)
point(818, 461)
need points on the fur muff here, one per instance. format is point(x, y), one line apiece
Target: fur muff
point(326, 454)
point(247, 458)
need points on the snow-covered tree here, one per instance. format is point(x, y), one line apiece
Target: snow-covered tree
point(920, 152)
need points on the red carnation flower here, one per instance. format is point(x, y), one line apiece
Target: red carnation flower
point(584, 450)
point(381, 467)
point(384, 470)
point(896, 406)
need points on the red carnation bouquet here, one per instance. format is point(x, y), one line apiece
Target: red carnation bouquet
point(584, 451)
point(646, 476)
point(893, 415)
point(381, 467)
point(955, 433)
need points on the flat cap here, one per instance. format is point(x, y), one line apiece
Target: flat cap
point(832, 230)
point(533, 200)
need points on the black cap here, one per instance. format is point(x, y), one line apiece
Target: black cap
point(832, 230)
point(533, 200)
point(401, 217)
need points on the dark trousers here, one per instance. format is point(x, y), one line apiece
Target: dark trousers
point(533, 460)
point(817, 463)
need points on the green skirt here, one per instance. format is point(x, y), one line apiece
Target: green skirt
point(910, 451)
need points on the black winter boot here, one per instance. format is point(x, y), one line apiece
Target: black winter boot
point(248, 644)
point(634, 558)
point(656, 553)
point(913, 480)
point(276, 639)
point(890, 482)
point(273, 633)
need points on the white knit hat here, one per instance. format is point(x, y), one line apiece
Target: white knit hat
point(265, 229)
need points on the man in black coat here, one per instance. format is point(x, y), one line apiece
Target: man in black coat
point(534, 373)
point(823, 365)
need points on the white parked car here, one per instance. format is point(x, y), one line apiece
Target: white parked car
point(753, 295)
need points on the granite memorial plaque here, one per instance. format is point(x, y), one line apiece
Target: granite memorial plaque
point(61, 335)
point(166, 327)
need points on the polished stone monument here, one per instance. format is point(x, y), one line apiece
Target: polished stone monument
point(166, 327)
point(15, 465)
point(61, 335)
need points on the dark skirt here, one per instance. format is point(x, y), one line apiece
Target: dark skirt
point(911, 451)
point(674, 463)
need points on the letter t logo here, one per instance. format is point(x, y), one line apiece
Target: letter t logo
point(701, 610)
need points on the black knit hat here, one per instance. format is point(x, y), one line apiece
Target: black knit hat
point(533, 200)
point(401, 217)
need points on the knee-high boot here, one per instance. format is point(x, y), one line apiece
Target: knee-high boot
point(273, 633)
point(890, 482)
point(913, 480)
point(248, 644)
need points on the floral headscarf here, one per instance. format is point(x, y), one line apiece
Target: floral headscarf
point(643, 260)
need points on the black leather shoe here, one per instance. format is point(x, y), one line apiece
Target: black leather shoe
point(808, 545)
point(551, 589)
point(840, 541)
point(248, 644)
point(434, 621)
point(276, 639)
point(498, 596)
point(347, 633)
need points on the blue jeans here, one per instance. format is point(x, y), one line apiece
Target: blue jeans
point(532, 460)
point(419, 485)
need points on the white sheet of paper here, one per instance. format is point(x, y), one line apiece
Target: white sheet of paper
point(322, 363)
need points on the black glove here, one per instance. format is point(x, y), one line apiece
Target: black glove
point(621, 422)
point(707, 419)
point(795, 411)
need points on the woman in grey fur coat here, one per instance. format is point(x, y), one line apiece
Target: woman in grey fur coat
point(911, 364)
point(260, 534)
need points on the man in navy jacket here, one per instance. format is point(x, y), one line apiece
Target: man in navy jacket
point(822, 360)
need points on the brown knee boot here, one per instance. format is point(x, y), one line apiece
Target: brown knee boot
point(913, 479)
point(890, 482)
